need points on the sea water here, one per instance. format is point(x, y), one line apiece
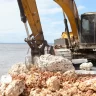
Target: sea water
point(11, 54)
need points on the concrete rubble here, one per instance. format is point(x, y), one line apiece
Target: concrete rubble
point(43, 81)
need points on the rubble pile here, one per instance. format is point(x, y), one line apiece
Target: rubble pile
point(19, 68)
point(43, 81)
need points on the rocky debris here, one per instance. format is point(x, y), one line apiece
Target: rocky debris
point(15, 88)
point(5, 80)
point(42, 80)
point(53, 63)
point(45, 83)
point(44, 92)
point(36, 92)
point(17, 69)
point(70, 75)
point(53, 83)
point(86, 66)
point(88, 85)
point(45, 62)
point(2, 89)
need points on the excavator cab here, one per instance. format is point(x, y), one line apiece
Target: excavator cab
point(88, 28)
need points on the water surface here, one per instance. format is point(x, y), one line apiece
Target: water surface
point(11, 54)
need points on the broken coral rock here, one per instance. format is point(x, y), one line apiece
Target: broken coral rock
point(70, 75)
point(35, 92)
point(2, 89)
point(54, 63)
point(46, 83)
point(86, 66)
point(53, 83)
point(18, 68)
point(4, 81)
point(88, 85)
point(44, 92)
point(15, 88)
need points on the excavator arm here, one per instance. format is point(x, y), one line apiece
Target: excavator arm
point(29, 11)
point(70, 9)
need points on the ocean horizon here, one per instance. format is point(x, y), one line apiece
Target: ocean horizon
point(24, 43)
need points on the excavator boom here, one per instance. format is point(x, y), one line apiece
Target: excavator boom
point(70, 9)
point(30, 11)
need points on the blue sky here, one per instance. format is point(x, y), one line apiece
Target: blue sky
point(12, 29)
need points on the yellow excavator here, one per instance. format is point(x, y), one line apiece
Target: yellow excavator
point(81, 41)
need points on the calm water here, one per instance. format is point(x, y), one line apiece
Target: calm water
point(11, 54)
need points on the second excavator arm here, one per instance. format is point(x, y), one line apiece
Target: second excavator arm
point(70, 9)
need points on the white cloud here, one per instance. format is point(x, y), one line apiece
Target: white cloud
point(46, 7)
point(50, 11)
point(6, 1)
point(58, 22)
point(11, 27)
point(80, 7)
point(46, 3)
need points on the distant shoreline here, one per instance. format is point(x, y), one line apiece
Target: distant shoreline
point(22, 43)
point(13, 43)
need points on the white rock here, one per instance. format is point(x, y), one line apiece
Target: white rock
point(18, 68)
point(6, 79)
point(86, 66)
point(54, 63)
point(15, 88)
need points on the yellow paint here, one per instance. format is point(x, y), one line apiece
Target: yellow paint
point(64, 35)
point(68, 8)
point(31, 12)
